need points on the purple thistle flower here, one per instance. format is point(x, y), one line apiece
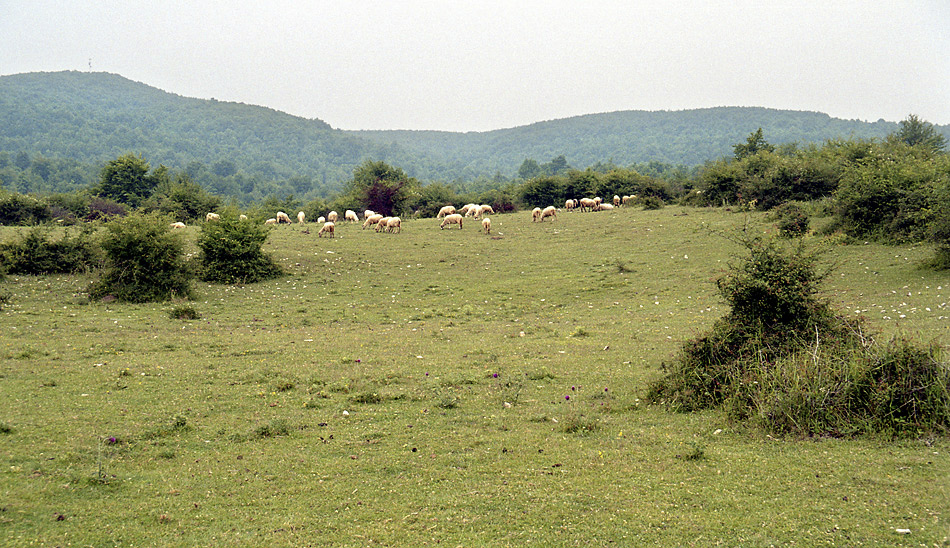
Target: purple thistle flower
point(568, 398)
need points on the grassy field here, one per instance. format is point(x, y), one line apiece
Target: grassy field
point(442, 387)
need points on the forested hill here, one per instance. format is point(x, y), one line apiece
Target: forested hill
point(687, 137)
point(250, 151)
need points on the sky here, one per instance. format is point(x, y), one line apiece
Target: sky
point(485, 65)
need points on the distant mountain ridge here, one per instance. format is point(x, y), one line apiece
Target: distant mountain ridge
point(96, 117)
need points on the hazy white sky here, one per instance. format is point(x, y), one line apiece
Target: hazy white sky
point(481, 65)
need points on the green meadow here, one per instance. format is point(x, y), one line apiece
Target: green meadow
point(443, 387)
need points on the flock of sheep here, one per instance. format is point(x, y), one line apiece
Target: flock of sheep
point(449, 215)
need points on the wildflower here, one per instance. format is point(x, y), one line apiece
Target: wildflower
point(568, 398)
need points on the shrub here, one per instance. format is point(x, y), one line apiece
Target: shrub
point(22, 209)
point(103, 209)
point(651, 202)
point(184, 312)
point(783, 360)
point(231, 252)
point(144, 261)
point(791, 219)
point(37, 253)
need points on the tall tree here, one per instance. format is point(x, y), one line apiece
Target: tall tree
point(754, 144)
point(126, 180)
point(915, 131)
point(383, 188)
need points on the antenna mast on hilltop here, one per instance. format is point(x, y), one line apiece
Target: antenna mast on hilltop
point(90, 64)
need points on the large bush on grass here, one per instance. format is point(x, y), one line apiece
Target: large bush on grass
point(231, 252)
point(144, 261)
point(782, 358)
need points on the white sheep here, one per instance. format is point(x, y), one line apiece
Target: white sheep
point(332, 216)
point(271, 221)
point(535, 214)
point(586, 204)
point(212, 217)
point(321, 219)
point(447, 210)
point(381, 224)
point(486, 225)
point(242, 217)
point(282, 217)
point(597, 200)
point(177, 225)
point(603, 207)
point(372, 219)
point(452, 219)
point(394, 225)
point(486, 209)
point(468, 210)
point(301, 217)
point(569, 205)
point(625, 199)
point(549, 211)
point(616, 201)
point(350, 215)
point(368, 213)
point(327, 228)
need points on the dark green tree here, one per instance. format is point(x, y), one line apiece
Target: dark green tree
point(383, 188)
point(915, 131)
point(754, 144)
point(529, 169)
point(127, 180)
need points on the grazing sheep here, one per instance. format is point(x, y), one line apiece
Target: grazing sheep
point(212, 217)
point(332, 216)
point(485, 208)
point(452, 219)
point(350, 215)
point(549, 211)
point(177, 225)
point(301, 217)
point(586, 204)
point(282, 217)
point(321, 219)
point(372, 219)
point(368, 213)
point(603, 207)
point(394, 225)
point(382, 223)
point(625, 199)
point(271, 221)
point(327, 228)
point(597, 200)
point(447, 210)
point(468, 210)
point(486, 225)
point(616, 201)
point(569, 205)
point(242, 217)
point(535, 214)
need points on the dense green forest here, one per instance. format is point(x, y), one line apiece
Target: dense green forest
point(57, 131)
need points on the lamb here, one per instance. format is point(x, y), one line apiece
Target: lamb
point(535, 214)
point(177, 225)
point(452, 219)
point(394, 225)
point(271, 221)
point(381, 224)
point(332, 216)
point(447, 210)
point(549, 211)
point(350, 215)
point(301, 217)
point(486, 225)
point(212, 217)
point(372, 219)
point(327, 228)
point(282, 217)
